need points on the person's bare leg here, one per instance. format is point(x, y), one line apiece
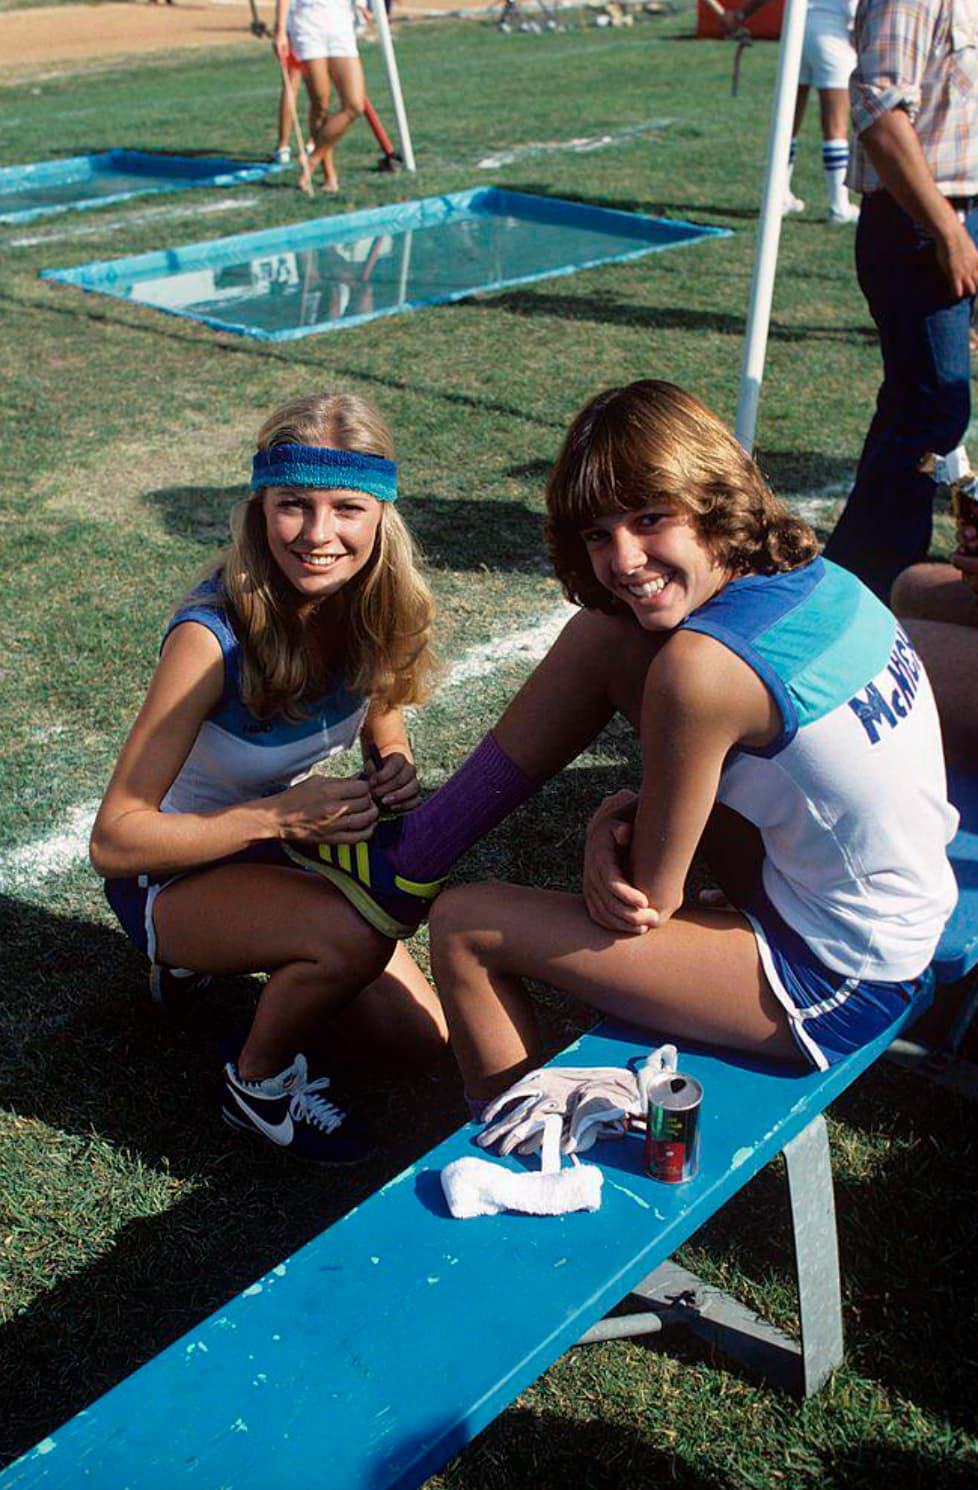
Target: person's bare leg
point(596, 668)
point(346, 75)
point(284, 119)
point(801, 100)
point(833, 108)
point(698, 977)
point(315, 71)
point(950, 657)
point(247, 918)
point(934, 592)
point(396, 1024)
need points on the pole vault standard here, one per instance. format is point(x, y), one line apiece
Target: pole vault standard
point(769, 227)
point(394, 82)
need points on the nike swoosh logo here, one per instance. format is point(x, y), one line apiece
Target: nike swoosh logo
point(280, 1133)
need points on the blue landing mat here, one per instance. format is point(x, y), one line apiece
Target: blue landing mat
point(288, 282)
point(80, 181)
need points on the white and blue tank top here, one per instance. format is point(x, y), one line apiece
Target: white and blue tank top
point(237, 757)
point(851, 798)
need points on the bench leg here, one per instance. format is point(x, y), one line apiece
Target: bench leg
point(816, 1253)
point(671, 1295)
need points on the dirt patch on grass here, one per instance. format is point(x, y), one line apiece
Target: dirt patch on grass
point(39, 40)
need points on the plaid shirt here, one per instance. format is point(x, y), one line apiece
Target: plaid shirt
point(921, 56)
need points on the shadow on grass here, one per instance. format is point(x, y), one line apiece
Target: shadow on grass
point(606, 310)
point(454, 534)
point(806, 473)
point(162, 326)
point(674, 211)
point(550, 1451)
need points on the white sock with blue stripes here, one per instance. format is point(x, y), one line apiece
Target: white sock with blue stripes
point(835, 159)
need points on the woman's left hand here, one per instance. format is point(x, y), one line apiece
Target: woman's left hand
point(394, 783)
point(612, 902)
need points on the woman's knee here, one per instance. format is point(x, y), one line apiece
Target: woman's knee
point(344, 949)
point(462, 925)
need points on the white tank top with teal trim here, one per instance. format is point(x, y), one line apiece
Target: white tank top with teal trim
point(851, 798)
point(237, 757)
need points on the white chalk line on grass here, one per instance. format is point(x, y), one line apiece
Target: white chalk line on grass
point(113, 224)
point(67, 846)
point(52, 854)
point(580, 144)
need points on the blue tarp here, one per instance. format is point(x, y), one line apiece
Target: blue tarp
point(287, 282)
point(81, 181)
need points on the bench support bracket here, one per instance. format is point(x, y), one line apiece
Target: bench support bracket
point(671, 1295)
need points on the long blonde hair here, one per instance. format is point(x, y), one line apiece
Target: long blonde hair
point(374, 634)
point(649, 442)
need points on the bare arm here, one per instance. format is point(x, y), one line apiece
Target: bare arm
point(894, 149)
point(133, 836)
point(700, 700)
point(281, 34)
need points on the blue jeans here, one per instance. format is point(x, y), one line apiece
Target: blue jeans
point(924, 402)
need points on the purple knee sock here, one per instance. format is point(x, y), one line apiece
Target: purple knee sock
point(486, 788)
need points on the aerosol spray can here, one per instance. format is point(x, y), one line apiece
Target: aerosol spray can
point(672, 1104)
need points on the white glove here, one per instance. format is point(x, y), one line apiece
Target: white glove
point(600, 1106)
point(515, 1119)
point(593, 1101)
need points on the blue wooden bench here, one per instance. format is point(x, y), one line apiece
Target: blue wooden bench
point(386, 1344)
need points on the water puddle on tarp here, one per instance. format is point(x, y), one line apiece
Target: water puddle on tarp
point(31, 191)
point(318, 276)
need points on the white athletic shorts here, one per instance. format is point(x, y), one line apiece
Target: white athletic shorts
point(324, 28)
point(828, 56)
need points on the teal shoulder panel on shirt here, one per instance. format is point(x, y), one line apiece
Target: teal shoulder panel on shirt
point(831, 645)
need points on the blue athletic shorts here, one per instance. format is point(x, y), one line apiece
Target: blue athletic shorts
point(132, 899)
point(830, 1014)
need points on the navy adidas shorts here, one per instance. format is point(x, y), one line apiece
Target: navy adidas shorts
point(132, 899)
point(830, 1014)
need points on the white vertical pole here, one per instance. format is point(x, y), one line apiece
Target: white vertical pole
point(769, 227)
point(394, 82)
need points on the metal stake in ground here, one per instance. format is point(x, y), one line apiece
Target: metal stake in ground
point(743, 39)
point(390, 160)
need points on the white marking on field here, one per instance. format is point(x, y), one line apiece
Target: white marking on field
point(51, 854)
point(580, 144)
point(529, 644)
point(115, 224)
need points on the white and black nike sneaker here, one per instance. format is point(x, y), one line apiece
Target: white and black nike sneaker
point(290, 1111)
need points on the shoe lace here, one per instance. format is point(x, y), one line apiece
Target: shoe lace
point(308, 1105)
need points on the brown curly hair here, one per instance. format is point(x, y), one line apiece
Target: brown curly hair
point(651, 442)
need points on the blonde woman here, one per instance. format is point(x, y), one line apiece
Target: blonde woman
point(311, 633)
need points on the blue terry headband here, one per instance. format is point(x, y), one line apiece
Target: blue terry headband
point(316, 465)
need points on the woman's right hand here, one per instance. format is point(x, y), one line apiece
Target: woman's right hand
point(282, 45)
point(325, 809)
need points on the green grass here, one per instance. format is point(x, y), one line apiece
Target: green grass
point(126, 1213)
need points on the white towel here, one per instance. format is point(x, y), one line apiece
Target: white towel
point(477, 1187)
